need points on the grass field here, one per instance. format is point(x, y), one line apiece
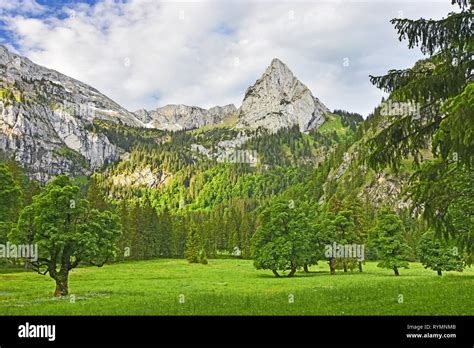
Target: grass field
point(234, 287)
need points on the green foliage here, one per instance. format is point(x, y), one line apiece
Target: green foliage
point(10, 201)
point(16, 191)
point(73, 156)
point(387, 238)
point(67, 231)
point(193, 248)
point(11, 94)
point(350, 119)
point(10, 195)
point(439, 255)
point(96, 197)
point(340, 223)
point(455, 137)
point(203, 257)
point(282, 241)
point(444, 194)
point(442, 87)
point(127, 137)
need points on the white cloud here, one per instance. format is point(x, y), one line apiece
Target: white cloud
point(21, 6)
point(143, 53)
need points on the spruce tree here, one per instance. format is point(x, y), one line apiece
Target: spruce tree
point(10, 201)
point(442, 86)
point(192, 245)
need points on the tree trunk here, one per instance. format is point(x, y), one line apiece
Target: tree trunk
point(332, 266)
point(275, 273)
point(345, 266)
point(360, 266)
point(395, 269)
point(305, 268)
point(62, 287)
point(62, 277)
point(293, 270)
point(439, 273)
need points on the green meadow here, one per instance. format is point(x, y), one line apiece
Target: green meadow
point(235, 287)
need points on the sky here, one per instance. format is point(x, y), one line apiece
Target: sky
point(149, 53)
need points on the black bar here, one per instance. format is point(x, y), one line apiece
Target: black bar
point(134, 331)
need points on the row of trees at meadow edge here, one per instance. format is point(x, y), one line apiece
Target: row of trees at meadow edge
point(293, 235)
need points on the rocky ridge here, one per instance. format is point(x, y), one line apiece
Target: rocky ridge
point(47, 117)
point(179, 117)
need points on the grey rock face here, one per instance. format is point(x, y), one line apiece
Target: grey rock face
point(278, 99)
point(177, 117)
point(224, 148)
point(45, 117)
point(141, 177)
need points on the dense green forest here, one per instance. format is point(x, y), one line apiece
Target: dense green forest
point(205, 209)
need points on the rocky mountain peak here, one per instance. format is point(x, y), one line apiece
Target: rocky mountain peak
point(3, 51)
point(278, 100)
point(277, 66)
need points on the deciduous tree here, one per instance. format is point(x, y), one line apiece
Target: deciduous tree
point(67, 231)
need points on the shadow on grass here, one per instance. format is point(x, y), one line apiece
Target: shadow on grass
point(297, 275)
point(9, 270)
point(352, 274)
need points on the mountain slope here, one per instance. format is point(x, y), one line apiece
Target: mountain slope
point(45, 117)
point(49, 120)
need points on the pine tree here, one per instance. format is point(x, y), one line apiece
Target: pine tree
point(441, 85)
point(136, 229)
point(10, 201)
point(149, 230)
point(95, 196)
point(203, 257)
point(193, 247)
point(125, 241)
point(179, 236)
point(165, 238)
